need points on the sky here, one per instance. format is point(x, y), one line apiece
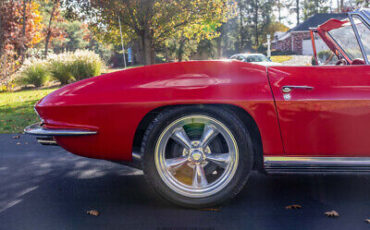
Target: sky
point(290, 19)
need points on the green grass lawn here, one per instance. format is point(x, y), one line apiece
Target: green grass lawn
point(281, 58)
point(16, 109)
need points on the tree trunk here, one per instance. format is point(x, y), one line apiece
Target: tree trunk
point(48, 35)
point(297, 11)
point(1, 35)
point(256, 23)
point(166, 55)
point(147, 33)
point(138, 52)
point(219, 47)
point(148, 51)
point(23, 48)
point(180, 51)
point(279, 9)
point(241, 37)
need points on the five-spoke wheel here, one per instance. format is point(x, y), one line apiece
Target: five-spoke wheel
point(197, 157)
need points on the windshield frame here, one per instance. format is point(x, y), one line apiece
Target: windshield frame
point(324, 29)
point(358, 38)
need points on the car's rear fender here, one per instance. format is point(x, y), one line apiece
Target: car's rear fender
point(115, 104)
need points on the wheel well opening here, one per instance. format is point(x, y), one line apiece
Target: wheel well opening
point(243, 115)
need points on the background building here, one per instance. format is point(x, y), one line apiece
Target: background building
point(297, 40)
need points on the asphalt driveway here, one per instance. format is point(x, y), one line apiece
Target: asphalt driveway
point(45, 187)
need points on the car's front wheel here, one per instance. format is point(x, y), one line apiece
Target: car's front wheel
point(197, 156)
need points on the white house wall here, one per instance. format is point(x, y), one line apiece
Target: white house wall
point(307, 46)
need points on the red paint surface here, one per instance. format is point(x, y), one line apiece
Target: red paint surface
point(333, 119)
point(114, 104)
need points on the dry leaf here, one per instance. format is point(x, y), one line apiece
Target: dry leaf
point(332, 213)
point(293, 206)
point(367, 221)
point(93, 212)
point(16, 137)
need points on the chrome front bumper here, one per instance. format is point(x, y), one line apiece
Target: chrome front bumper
point(46, 136)
point(38, 130)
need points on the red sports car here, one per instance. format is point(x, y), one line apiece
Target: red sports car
point(198, 129)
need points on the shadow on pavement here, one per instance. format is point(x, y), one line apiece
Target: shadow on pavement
point(48, 188)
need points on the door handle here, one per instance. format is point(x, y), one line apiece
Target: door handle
point(289, 88)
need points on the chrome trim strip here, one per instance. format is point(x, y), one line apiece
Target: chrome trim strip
point(317, 161)
point(38, 130)
point(46, 142)
point(293, 165)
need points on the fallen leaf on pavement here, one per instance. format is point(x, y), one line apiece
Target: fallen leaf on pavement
point(367, 221)
point(93, 212)
point(332, 213)
point(293, 206)
point(16, 137)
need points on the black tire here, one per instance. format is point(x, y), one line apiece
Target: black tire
point(231, 121)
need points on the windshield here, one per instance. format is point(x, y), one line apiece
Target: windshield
point(364, 33)
point(346, 39)
point(257, 58)
point(325, 55)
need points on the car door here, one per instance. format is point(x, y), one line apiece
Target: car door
point(323, 110)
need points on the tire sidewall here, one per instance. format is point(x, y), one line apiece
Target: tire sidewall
point(231, 121)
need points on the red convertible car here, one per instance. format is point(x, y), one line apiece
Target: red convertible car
point(198, 128)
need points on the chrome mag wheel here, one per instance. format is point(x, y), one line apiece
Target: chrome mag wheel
point(196, 156)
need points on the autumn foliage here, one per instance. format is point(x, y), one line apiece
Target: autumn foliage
point(20, 28)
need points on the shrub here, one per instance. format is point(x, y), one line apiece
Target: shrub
point(60, 71)
point(3, 88)
point(323, 56)
point(65, 67)
point(86, 64)
point(33, 71)
point(9, 64)
point(7, 87)
point(79, 65)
